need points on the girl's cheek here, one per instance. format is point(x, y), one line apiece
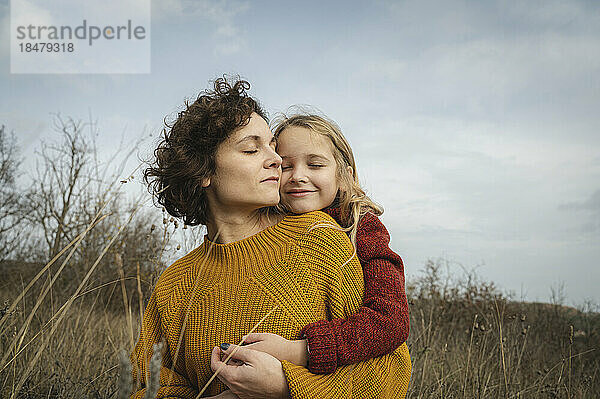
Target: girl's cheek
point(285, 176)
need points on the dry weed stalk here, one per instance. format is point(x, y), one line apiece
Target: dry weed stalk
point(469, 355)
point(125, 383)
point(139, 289)
point(154, 372)
point(119, 263)
point(500, 317)
point(570, 357)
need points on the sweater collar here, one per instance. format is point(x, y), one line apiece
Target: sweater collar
point(254, 253)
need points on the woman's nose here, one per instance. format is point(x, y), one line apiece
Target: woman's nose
point(274, 160)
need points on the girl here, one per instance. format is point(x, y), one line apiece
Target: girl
point(319, 173)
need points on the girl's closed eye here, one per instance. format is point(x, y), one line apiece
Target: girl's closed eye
point(311, 165)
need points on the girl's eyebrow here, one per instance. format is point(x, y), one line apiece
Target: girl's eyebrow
point(317, 156)
point(310, 156)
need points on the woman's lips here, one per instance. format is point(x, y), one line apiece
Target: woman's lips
point(299, 194)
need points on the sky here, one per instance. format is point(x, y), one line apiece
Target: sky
point(475, 124)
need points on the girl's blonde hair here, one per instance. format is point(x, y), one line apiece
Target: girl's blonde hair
point(350, 198)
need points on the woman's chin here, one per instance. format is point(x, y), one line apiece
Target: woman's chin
point(274, 201)
point(299, 209)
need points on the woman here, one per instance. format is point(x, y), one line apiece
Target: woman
point(217, 166)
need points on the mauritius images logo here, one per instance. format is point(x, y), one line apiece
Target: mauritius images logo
point(71, 36)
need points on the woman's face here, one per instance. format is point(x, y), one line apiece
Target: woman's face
point(247, 169)
point(308, 178)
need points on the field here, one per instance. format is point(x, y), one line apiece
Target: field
point(78, 260)
point(467, 340)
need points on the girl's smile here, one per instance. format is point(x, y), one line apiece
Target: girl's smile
point(308, 170)
point(299, 194)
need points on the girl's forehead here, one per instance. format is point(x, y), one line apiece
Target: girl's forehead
point(297, 138)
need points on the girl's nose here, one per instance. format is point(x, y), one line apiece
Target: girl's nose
point(298, 175)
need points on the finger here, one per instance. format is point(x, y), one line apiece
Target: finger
point(223, 395)
point(226, 395)
point(215, 359)
point(254, 345)
point(239, 352)
point(254, 337)
point(233, 362)
point(218, 366)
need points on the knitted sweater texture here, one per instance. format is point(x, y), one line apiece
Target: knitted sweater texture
point(381, 324)
point(217, 295)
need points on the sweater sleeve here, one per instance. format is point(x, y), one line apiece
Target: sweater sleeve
point(381, 324)
point(171, 383)
point(339, 275)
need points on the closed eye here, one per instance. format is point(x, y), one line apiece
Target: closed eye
point(311, 165)
point(250, 152)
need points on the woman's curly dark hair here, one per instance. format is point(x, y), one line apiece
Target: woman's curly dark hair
point(186, 155)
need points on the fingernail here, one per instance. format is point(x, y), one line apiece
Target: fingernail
point(224, 346)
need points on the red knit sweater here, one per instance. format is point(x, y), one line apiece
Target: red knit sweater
point(381, 324)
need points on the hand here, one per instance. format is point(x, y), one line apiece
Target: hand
point(260, 375)
point(275, 345)
point(224, 395)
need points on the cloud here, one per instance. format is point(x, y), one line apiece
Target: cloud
point(223, 11)
point(4, 32)
point(590, 204)
point(222, 14)
point(491, 179)
point(28, 13)
point(553, 14)
point(495, 60)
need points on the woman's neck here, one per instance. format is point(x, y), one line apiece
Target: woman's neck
point(232, 227)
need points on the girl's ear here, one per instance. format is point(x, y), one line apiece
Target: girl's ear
point(349, 169)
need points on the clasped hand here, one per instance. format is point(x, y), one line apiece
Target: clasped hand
point(256, 371)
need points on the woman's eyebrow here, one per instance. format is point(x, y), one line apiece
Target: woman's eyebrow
point(256, 138)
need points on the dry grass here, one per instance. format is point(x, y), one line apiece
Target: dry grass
point(80, 360)
point(467, 340)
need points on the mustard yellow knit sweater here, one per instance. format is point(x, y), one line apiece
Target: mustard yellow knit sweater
point(305, 273)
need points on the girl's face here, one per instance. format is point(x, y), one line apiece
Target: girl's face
point(308, 171)
point(247, 171)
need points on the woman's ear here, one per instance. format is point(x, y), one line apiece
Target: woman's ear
point(206, 182)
